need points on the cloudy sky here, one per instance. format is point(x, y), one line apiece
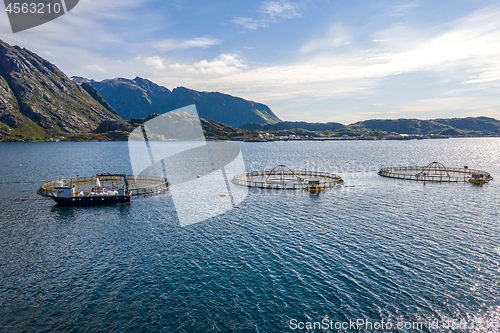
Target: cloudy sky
point(312, 60)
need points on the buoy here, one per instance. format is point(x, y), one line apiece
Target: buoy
point(198, 176)
point(222, 194)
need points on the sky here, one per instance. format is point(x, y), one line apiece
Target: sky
point(312, 60)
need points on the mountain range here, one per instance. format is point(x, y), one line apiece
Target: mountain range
point(449, 126)
point(119, 130)
point(140, 97)
point(38, 101)
point(470, 126)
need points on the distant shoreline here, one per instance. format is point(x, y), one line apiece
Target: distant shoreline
point(411, 138)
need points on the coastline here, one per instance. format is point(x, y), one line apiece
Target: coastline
point(243, 139)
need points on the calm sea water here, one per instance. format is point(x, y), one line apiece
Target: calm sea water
point(377, 249)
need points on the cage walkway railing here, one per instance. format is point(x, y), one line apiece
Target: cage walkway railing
point(138, 185)
point(464, 174)
point(246, 180)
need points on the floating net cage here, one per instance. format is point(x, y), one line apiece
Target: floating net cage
point(433, 172)
point(283, 178)
point(138, 185)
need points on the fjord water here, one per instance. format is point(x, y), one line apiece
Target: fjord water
point(376, 249)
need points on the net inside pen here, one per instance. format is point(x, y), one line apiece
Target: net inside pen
point(433, 172)
point(283, 178)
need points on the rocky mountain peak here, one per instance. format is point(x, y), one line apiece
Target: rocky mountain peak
point(40, 99)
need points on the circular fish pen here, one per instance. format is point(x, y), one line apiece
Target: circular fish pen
point(434, 172)
point(138, 185)
point(283, 178)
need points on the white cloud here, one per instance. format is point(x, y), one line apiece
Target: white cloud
point(488, 75)
point(402, 10)
point(95, 68)
point(342, 84)
point(270, 12)
point(80, 35)
point(472, 42)
point(280, 10)
point(172, 44)
point(336, 36)
point(470, 104)
point(47, 54)
point(249, 23)
point(156, 62)
point(466, 52)
point(223, 65)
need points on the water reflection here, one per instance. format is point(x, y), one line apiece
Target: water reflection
point(64, 213)
point(70, 213)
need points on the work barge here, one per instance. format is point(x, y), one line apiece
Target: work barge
point(436, 172)
point(103, 188)
point(283, 178)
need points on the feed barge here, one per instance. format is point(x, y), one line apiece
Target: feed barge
point(102, 189)
point(98, 195)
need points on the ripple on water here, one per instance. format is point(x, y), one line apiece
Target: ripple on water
point(378, 249)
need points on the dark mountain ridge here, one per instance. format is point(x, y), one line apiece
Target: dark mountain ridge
point(431, 126)
point(120, 129)
point(37, 99)
point(451, 126)
point(140, 97)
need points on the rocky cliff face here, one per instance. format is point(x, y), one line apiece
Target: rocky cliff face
point(37, 99)
point(139, 97)
point(9, 109)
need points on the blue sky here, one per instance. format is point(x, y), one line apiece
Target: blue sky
point(312, 60)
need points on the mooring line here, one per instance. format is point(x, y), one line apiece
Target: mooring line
point(147, 144)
